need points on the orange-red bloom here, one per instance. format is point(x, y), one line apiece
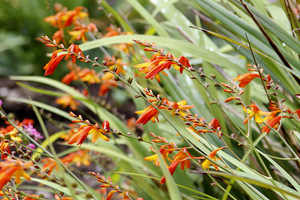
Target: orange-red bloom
point(56, 59)
point(4, 147)
point(256, 112)
point(214, 123)
point(49, 165)
point(79, 32)
point(272, 123)
point(164, 150)
point(183, 157)
point(107, 82)
point(159, 62)
point(85, 75)
point(244, 79)
point(79, 157)
point(10, 168)
point(87, 129)
point(66, 18)
point(179, 106)
point(212, 156)
point(150, 113)
point(65, 101)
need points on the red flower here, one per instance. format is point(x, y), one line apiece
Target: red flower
point(87, 129)
point(183, 157)
point(150, 113)
point(11, 168)
point(53, 63)
point(159, 62)
point(56, 59)
point(214, 123)
point(272, 123)
point(244, 79)
point(165, 150)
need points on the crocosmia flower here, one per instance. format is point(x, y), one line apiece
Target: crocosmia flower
point(244, 79)
point(56, 59)
point(87, 129)
point(212, 156)
point(10, 168)
point(150, 113)
point(256, 112)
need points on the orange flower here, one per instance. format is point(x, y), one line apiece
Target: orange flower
point(156, 64)
point(4, 147)
point(56, 59)
point(11, 168)
point(164, 150)
point(65, 101)
point(87, 129)
point(256, 112)
point(111, 62)
point(183, 157)
point(80, 157)
point(272, 123)
point(212, 156)
point(179, 106)
point(49, 165)
point(150, 113)
point(85, 75)
point(65, 18)
point(244, 79)
point(58, 36)
point(214, 123)
point(79, 32)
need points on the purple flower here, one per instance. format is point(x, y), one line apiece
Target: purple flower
point(0, 102)
point(31, 146)
point(32, 131)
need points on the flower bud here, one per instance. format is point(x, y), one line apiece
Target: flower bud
point(105, 125)
point(116, 78)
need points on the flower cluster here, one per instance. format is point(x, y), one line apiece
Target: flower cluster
point(65, 18)
point(87, 128)
point(277, 110)
point(10, 168)
point(182, 156)
point(160, 61)
point(151, 113)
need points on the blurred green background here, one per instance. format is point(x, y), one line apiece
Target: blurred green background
point(21, 23)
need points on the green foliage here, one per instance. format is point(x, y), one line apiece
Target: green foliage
point(219, 39)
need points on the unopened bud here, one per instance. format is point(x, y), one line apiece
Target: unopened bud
point(105, 125)
point(116, 78)
point(115, 68)
point(129, 80)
